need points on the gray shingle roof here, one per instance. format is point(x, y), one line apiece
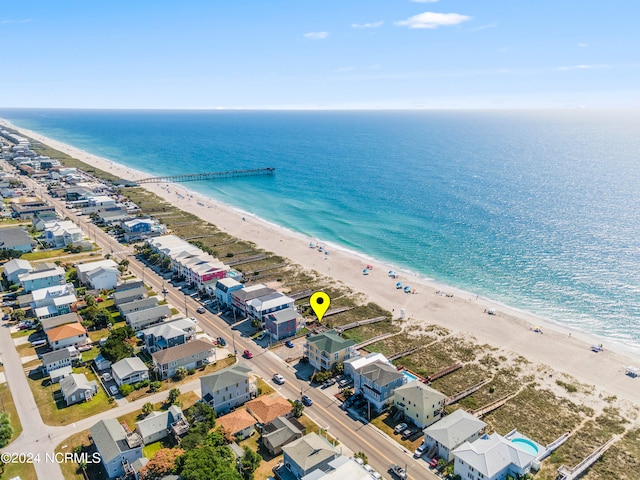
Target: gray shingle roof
point(53, 322)
point(380, 373)
point(179, 352)
point(310, 451)
point(128, 366)
point(55, 356)
point(153, 313)
point(455, 429)
point(225, 377)
point(76, 381)
point(158, 421)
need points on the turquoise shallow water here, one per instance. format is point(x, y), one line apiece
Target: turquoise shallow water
point(536, 209)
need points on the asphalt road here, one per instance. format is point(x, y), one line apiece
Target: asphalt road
point(355, 435)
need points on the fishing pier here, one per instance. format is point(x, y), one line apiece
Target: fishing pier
point(194, 177)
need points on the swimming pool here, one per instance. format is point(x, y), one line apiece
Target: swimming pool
point(525, 445)
point(410, 376)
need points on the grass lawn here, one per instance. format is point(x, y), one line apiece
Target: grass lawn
point(264, 388)
point(186, 399)
point(149, 450)
point(22, 333)
point(8, 406)
point(71, 470)
point(54, 410)
point(25, 471)
point(43, 254)
point(312, 426)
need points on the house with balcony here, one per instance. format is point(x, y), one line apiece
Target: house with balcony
point(283, 323)
point(241, 297)
point(149, 316)
point(420, 403)
point(137, 305)
point(447, 434)
point(376, 382)
point(228, 388)
point(354, 363)
point(129, 370)
point(169, 334)
point(16, 267)
point(224, 288)
point(261, 306)
point(156, 425)
point(62, 233)
point(101, 275)
point(118, 448)
point(69, 335)
point(328, 348)
point(194, 354)
point(44, 276)
point(142, 228)
point(52, 301)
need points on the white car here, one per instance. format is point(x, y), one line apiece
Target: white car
point(420, 450)
point(113, 389)
point(201, 309)
point(279, 379)
point(106, 377)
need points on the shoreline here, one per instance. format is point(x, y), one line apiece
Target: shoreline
point(563, 348)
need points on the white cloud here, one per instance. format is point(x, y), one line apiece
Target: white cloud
point(368, 25)
point(433, 20)
point(316, 35)
point(583, 45)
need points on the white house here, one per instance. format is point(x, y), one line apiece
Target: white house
point(76, 388)
point(129, 370)
point(118, 448)
point(52, 301)
point(224, 288)
point(69, 335)
point(270, 303)
point(16, 267)
point(452, 431)
point(156, 425)
point(102, 275)
point(61, 233)
point(354, 363)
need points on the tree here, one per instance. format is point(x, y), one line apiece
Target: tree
point(249, 462)
point(174, 393)
point(116, 347)
point(166, 263)
point(208, 462)
point(125, 389)
point(17, 315)
point(123, 265)
point(155, 259)
point(362, 456)
point(155, 386)
point(147, 408)
point(163, 462)
point(298, 408)
point(90, 300)
point(179, 374)
point(347, 392)
point(201, 413)
point(102, 319)
point(6, 430)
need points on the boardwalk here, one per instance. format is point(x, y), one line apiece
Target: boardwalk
point(193, 177)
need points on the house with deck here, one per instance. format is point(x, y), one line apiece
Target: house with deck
point(283, 323)
point(43, 276)
point(52, 301)
point(376, 383)
point(241, 297)
point(76, 388)
point(279, 432)
point(447, 434)
point(101, 275)
point(137, 305)
point(326, 349)
point(142, 319)
point(420, 403)
point(194, 354)
point(129, 371)
point(118, 448)
point(62, 233)
point(68, 335)
point(237, 424)
point(228, 388)
point(156, 425)
point(224, 288)
point(169, 334)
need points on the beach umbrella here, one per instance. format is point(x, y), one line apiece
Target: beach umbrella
point(407, 289)
point(399, 285)
point(365, 272)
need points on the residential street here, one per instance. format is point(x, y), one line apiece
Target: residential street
point(40, 438)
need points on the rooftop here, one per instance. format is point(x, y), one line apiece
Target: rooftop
point(66, 331)
point(179, 352)
point(454, 429)
point(236, 421)
point(267, 409)
point(330, 342)
point(310, 451)
point(226, 377)
point(128, 366)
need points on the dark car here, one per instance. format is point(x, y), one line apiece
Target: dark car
point(398, 472)
point(222, 342)
point(306, 401)
point(289, 344)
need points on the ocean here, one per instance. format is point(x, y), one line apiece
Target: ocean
point(535, 209)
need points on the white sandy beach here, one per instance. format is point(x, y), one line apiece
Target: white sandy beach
point(563, 350)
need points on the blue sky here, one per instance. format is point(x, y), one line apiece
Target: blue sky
point(320, 54)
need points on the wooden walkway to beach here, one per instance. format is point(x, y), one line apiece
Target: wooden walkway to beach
point(194, 177)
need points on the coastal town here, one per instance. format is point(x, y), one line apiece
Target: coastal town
point(141, 342)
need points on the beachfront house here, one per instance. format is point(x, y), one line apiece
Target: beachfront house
point(156, 425)
point(224, 288)
point(492, 457)
point(44, 276)
point(169, 334)
point(129, 371)
point(69, 335)
point(328, 348)
point(238, 424)
point(309, 453)
point(261, 306)
point(354, 363)
point(421, 404)
point(113, 217)
point(376, 383)
point(228, 388)
point(52, 301)
point(142, 228)
point(62, 233)
point(137, 305)
point(447, 434)
point(280, 432)
point(101, 275)
point(118, 449)
point(16, 238)
point(240, 298)
point(194, 354)
point(142, 319)
point(14, 268)
point(75, 388)
point(283, 323)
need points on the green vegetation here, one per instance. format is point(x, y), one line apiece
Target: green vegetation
point(119, 344)
point(6, 430)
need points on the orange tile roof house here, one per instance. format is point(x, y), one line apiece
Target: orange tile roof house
point(71, 334)
point(238, 423)
point(267, 409)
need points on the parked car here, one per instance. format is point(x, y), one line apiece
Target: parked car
point(307, 401)
point(261, 336)
point(106, 377)
point(247, 354)
point(420, 450)
point(398, 472)
point(408, 433)
point(201, 309)
point(434, 462)
point(113, 389)
point(279, 379)
point(327, 383)
point(289, 344)
point(401, 427)
point(222, 342)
